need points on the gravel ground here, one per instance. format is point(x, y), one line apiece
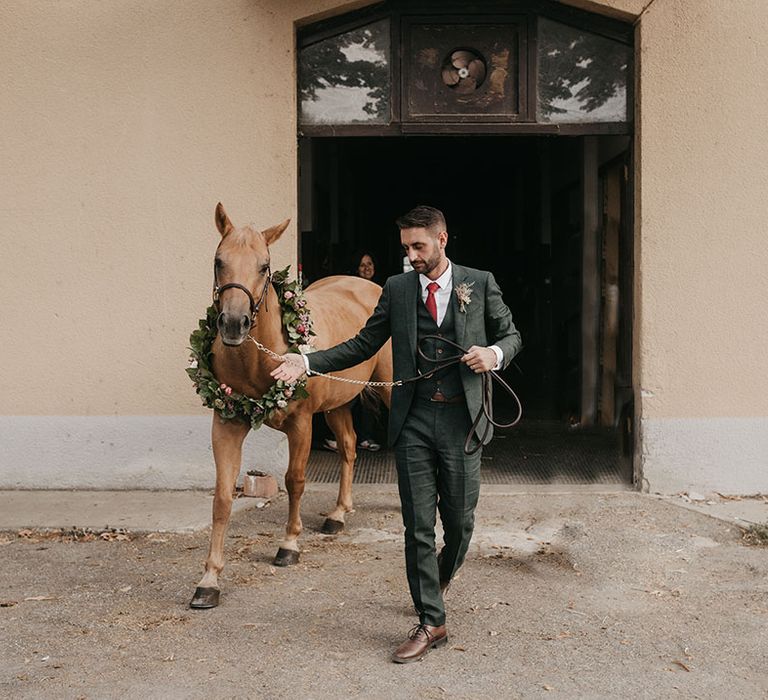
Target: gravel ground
point(562, 596)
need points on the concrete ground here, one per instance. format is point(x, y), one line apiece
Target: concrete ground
point(136, 511)
point(563, 595)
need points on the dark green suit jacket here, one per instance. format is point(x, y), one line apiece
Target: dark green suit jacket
point(485, 321)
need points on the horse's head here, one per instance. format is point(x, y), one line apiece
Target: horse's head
point(241, 275)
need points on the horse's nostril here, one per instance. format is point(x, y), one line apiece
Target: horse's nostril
point(246, 323)
point(220, 321)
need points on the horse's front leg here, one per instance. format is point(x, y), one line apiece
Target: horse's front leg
point(299, 434)
point(227, 438)
point(340, 422)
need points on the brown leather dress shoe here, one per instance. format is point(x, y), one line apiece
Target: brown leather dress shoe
point(420, 640)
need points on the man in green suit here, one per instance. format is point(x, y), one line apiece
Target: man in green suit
point(430, 419)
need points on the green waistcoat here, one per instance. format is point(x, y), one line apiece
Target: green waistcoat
point(447, 381)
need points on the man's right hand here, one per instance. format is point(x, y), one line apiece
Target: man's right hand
point(292, 369)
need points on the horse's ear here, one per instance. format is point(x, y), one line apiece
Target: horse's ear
point(222, 220)
point(273, 233)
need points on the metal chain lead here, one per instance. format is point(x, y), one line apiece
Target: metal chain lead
point(265, 349)
point(311, 373)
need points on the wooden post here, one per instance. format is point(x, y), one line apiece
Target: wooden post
point(610, 284)
point(590, 281)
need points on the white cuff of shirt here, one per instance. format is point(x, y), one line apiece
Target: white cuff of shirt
point(306, 364)
point(499, 356)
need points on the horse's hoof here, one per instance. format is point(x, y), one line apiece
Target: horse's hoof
point(332, 527)
point(286, 557)
point(205, 598)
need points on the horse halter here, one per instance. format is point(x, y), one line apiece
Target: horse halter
point(255, 305)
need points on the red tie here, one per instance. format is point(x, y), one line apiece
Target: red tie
point(431, 302)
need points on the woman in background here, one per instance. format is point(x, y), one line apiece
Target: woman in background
point(366, 267)
point(363, 265)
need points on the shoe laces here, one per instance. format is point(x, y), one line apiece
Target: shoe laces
point(419, 629)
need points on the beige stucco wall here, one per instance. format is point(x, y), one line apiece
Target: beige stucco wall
point(703, 209)
point(700, 228)
point(125, 123)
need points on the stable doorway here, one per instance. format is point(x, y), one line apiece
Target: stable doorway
point(517, 124)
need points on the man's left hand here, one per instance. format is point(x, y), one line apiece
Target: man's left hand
point(480, 359)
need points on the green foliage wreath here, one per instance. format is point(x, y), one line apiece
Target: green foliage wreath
point(222, 398)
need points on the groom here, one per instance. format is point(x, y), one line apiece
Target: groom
point(430, 419)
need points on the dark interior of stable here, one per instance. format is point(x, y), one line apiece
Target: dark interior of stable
point(514, 205)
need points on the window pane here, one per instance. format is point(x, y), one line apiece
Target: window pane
point(582, 76)
point(345, 79)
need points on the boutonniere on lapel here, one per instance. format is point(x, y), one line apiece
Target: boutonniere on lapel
point(464, 294)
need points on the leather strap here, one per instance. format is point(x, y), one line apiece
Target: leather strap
point(486, 408)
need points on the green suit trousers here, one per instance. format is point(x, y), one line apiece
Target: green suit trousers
point(434, 474)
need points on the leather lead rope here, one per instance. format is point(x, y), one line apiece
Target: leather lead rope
point(486, 408)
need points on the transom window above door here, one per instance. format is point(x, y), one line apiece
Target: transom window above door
point(346, 79)
point(518, 66)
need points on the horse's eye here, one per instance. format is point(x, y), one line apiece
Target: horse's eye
point(217, 262)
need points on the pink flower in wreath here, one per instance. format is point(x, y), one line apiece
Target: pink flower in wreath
point(228, 390)
point(288, 295)
point(288, 393)
point(301, 329)
point(223, 386)
point(301, 303)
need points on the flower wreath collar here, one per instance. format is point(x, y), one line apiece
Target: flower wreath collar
point(229, 404)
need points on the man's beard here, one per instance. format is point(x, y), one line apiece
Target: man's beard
point(429, 264)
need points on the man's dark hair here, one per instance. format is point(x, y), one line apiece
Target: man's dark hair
point(422, 217)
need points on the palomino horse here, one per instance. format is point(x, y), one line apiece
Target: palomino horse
point(339, 306)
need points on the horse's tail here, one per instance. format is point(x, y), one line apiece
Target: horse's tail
point(371, 400)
